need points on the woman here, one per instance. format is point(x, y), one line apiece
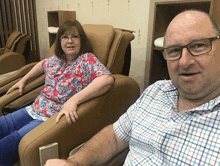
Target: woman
point(73, 75)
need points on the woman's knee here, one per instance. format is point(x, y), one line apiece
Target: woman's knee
point(28, 127)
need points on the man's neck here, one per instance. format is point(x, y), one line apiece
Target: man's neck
point(185, 103)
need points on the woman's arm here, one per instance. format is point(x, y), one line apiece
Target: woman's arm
point(99, 149)
point(35, 71)
point(97, 87)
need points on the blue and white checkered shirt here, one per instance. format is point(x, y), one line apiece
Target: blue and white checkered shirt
point(159, 135)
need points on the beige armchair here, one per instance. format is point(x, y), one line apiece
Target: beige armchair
point(12, 55)
point(109, 45)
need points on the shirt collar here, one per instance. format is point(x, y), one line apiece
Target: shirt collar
point(168, 86)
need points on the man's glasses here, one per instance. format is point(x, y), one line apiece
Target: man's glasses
point(65, 38)
point(195, 48)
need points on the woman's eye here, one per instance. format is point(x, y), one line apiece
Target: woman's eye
point(75, 36)
point(64, 37)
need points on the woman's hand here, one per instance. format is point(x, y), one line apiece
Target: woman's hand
point(60, 162)
point(97, 87)
point(69, 110)
point(34, 72)
point(19, 85)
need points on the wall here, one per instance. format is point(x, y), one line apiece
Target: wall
point(135, 15)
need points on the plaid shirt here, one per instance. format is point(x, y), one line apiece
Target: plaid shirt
point(160, 135)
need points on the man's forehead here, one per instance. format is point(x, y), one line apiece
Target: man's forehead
point(189, 19)
point(190, 25)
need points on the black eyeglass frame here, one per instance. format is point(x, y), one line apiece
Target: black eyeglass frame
point(211, 39)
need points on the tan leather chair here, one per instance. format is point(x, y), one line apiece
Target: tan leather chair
point(9, 46)
point(12, 55)
point(109, 45)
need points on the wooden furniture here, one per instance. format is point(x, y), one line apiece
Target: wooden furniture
point(164, 12)
point(56, 18)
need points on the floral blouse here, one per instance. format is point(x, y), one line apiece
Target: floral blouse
point(63, 81)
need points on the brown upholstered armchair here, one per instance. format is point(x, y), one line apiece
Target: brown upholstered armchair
point(111, 46)
point(11, 56)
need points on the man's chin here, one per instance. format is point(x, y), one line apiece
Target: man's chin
point(190, 92)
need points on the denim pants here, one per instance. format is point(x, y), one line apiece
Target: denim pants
point(13, 127)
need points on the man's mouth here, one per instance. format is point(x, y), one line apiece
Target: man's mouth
point(188, 74)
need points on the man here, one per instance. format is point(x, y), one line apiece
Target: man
point(174, 122)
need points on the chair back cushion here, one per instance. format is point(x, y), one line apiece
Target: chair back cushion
point(20, 44)
point(10, 41)
point(101, 38)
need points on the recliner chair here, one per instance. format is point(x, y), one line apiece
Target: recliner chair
point(11, 56)
point(109, 45)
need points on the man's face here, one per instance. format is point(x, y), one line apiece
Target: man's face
point(196, 77)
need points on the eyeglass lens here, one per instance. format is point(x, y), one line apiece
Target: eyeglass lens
point(198, 47)
point(66, 38)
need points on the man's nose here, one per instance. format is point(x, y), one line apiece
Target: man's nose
point(186, 58)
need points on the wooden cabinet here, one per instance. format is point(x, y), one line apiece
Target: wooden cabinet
point(56, 18)
point(164, 13)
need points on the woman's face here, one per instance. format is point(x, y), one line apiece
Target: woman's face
point(70, 43)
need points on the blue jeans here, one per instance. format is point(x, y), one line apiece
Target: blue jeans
point(13, 127)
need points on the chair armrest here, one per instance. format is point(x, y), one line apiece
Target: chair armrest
point(93, 116)
point(9, 98)
point(23, 101)
point(3, 76)
point(11, 61)
point(20, 73)
point(6, 87)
